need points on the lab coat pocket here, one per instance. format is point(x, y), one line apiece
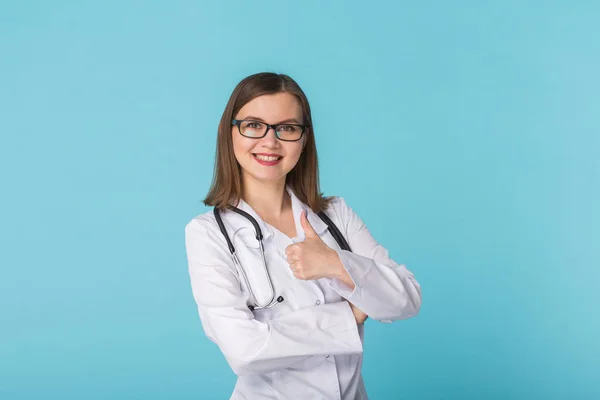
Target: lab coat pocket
point(263, 314)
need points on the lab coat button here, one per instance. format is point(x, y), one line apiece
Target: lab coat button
point(318, 302)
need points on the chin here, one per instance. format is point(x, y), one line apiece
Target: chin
point(262, 177)
point(270, 179)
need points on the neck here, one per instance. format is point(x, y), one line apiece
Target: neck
point(267, 199)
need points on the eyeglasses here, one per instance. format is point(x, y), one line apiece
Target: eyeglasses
point(257, 130)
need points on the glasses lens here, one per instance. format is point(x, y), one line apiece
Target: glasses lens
point(289, 132)
point(252, 128)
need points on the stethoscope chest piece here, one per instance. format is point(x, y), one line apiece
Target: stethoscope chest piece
point(279, 300)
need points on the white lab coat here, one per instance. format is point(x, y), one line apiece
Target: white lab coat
point(309, 346)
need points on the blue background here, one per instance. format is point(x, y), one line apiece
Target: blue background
point(467, 136)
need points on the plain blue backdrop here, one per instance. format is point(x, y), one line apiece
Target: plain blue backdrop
point(466, 135)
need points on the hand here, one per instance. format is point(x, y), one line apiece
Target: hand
point(312, 258)
point(360, 316)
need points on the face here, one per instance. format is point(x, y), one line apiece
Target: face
point(268, 159)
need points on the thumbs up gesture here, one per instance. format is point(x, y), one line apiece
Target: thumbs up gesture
point(312, 258)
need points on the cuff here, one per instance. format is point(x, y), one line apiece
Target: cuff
point(355, 270)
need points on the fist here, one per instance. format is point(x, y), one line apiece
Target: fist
point(312, 258)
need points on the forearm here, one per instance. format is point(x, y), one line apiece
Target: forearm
point(339, 272)
point(252, 347)
point(383, 291)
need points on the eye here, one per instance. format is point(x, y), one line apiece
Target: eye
point(254, 125)
point(288, 128)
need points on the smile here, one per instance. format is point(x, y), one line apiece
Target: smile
point(267, 159)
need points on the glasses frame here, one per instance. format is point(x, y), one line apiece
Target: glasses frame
point(238, 122)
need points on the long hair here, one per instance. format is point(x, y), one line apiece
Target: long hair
point(227, 185)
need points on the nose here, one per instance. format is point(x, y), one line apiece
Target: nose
point(270, 138)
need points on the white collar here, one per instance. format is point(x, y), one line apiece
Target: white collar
point(297, 207)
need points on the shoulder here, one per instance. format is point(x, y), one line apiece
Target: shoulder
point(202, 226)
point(344, 217)
point(204, 239)
point(337, 205)
point(339, 211)
point(205, 220)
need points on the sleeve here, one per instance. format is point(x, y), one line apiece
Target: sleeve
point(384, 290)
point(251, 346)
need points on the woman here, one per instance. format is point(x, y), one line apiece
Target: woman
point(298, 335)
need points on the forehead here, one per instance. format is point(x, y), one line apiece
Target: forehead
point(273, 107)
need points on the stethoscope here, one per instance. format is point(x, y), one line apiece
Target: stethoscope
point(335, 232)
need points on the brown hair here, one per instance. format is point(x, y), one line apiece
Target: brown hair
point(227, 182)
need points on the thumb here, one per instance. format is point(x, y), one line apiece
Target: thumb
point(308, 229)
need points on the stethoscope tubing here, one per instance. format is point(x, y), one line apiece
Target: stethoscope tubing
point(259, 236)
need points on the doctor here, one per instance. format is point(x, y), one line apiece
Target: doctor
point(308, 345)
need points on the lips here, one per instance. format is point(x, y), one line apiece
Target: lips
point(267, 159)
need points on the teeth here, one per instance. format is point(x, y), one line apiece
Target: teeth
point(266, 158)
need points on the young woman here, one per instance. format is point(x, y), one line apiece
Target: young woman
point(281, 293)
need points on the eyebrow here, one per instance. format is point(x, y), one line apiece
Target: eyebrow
point(285, 121)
